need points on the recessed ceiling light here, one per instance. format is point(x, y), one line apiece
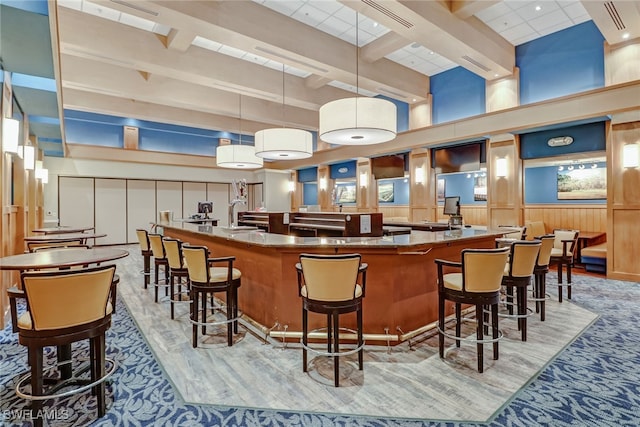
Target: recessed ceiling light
point(375, 24)
point(538, 8)
point(625, 36)
point(496, 75)
point(431, 53)
point(414, 100)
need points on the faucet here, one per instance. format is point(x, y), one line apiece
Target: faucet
point(232, 216)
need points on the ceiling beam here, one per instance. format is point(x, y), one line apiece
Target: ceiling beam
point(464, 9)
point(383, 46)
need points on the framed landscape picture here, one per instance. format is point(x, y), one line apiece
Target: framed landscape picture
point(582, 183)
point(440, 189)
point(345, 193)
point(385, 192)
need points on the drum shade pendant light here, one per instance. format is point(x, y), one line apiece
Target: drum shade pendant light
point(238, 156)
point(283, 143)
point(358, 120)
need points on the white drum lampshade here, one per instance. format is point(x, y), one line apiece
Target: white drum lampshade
point(283, 144)
point(10, 135)
point(236, 156)
point(358, 121)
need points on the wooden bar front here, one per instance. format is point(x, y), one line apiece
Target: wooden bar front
point(401, 292)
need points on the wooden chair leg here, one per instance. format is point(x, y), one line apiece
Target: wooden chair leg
point(569, 281)
point(441, 325)
point(194, 316)
point(360, 339)
point(99, 349)
point(304, 339)
point(336, 348)
point(146, 270)
point(496, 331)
point(329, 333)
point(458, 322)
point(173, 295)
point(230, 316)
point(204, 311)
point(480, 337)
point(522, 311)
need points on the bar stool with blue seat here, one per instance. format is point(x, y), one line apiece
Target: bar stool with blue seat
point(517, 277)
point(328, 284)
point(205, 279)
point(478, 284)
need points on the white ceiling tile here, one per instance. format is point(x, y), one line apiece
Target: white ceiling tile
point(161, 29)
point(518, 32)
point(551, 29)
point(101, 11)
point(529, 12)
point(493, 12)
point(347, 14)
point(329, 6)
point(333, 26)
point(231, 51)
point(576, 11)
point(134, 21)
point(310, 15)
point(71, 4)
point(256, 59)
point(206, 43)
point(553, 19)
point(286, 7)
point(297, 72)
point(505, 22)
point(273, 64)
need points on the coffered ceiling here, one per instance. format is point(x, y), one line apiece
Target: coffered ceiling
point(193, 63)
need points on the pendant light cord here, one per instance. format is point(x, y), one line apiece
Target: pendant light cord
point(357, 68)
point(283, 115)
point(240, 117)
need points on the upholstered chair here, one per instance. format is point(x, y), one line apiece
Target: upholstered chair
point(535, 229)
point(177, 271)
point(205, 280)
point(35, 246)
point(562, 255)
point(63, 307)
point(145, 249)
point(540, 274)
point(478, 283)
point(517, 277)
point(328, 284)
point(159, 260)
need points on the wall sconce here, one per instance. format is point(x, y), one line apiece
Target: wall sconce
point(291, 186)
point(10, 133)
point(42, 174)
point(419, 175)
point(323, 183)
point(29, 156)
point(363, 179)
point(630, 157)
point(501, 167)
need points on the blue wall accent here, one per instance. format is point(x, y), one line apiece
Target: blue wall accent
point(36, 6)
point(541, 186)
point(93, 133)
point(185, 143)
point(33, 82)
point(308, 175)
point(457, 93)
point(343, 170)
point(562, 63)
point(400, 191)
point(589, 137)
point(461, 184)
point(402, 113)
point(310, 193)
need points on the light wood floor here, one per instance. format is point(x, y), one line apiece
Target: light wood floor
point(408, 380)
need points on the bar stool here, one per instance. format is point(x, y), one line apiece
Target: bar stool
point(540, 274)
point(145, 249)
point(328, 284)
point(479, 284)
point(159, 260)
point(177, 270)
point(517, 276)
point(562, 254)
point(205, 280)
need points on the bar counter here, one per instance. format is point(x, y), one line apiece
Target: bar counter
point(401, 297)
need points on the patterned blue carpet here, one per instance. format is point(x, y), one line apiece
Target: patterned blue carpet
point(594, 382)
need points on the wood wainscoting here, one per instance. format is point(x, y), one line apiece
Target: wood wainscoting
point(575, 217)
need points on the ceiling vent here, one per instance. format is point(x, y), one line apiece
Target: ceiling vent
point(136, 7)
point(476, 63)
point(615, 16)
point(388, 13)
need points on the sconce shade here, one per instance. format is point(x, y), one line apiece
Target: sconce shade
point(237, 157)
point(420, 175)
point(630, 157)
point(283, 144)
point(10, 134)
point(501, 167)
point(358, 121)
point(29, 156)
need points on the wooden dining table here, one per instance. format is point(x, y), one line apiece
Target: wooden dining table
point(52, 238)
point(60, 258)
point(63, 229)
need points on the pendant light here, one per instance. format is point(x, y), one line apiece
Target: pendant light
point(358, 120)
point(238, 156)
point(283, 143)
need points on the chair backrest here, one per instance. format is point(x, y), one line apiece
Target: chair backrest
point(565, 235)
point(155, 241)
point(197, 265)
point(173, 250)
point(515, 232)
point(330, 277)
point(544, 256)
point(143, 239)
point(482, 269)
point(523, 258)
point(35, 246)
point(66, 298)
point(535, 229)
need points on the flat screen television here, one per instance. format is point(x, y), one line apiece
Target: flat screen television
point(388, 166)
point(452, 205)
point(458, 158)
point(205, 208)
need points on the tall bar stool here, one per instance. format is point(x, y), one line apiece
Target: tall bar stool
point(517, 276)
point(177, 271)
point(562, 254)
point(145, 249)
point(159, 260)
point(205, 280)
point(540, 274)
point(478, 284)
point(328, 284)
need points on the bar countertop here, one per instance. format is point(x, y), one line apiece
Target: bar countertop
point(403, 241)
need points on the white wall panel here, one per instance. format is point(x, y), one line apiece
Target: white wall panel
point(111, 210)
point(169, 198)
point(141, 206)
point(76, 201)
point(192, 193)
point(219, 195)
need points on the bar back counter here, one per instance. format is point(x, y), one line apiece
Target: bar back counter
point(402, 294)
